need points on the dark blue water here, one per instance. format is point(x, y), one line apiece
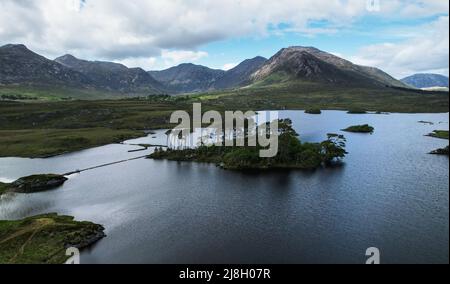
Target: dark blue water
point(389, 194)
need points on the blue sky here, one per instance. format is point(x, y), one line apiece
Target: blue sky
point(345, 42)
point(401, 37)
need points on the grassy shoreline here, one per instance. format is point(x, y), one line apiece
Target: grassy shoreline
point(45, 143)
point(441, 134)
point(45, 128)
point(43, 239)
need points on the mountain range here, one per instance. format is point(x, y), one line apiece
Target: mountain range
point(187, 78)
point(112, 76)
point(20, 66)
point(191, 78)
point(423, 81)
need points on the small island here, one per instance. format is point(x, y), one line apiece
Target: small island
point(34, 183)
point(313, 111)
point(44, 239)
point(426, 122)
point(443, 151)
point(441, 134)
point(292, 153)
point(360, 129)
point(356, 111)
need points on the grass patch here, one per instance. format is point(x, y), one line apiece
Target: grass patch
point(441, 134)
point(54, 93)
point(38, 143)
point(43, 239)
point(306, 95)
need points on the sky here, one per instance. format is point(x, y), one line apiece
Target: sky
point(398, 36)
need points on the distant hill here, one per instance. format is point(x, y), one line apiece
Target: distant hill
point(191, 78)
point(22, 67)
point(425, 81)
point(313, 65)
point(112, 76)
point(290, 67)
point(19, 65)
point(239, 75)
point(188, 78)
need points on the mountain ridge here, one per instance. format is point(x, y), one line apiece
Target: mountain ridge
point(426, 80)
point(19, 65)
point(310, 63)
point(239, 75)
point(187, 77)
point(112, 76)
point(296, 63)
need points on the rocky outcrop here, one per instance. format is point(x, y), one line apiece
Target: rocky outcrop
point(443, 151)
point(36, 183)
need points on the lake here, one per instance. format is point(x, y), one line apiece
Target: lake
point(389, 194)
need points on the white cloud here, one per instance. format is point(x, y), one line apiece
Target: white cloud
point(175, 57)
point(116, 29)
point(229, 66)
point(138, 31)
point(425, 51)
point(145, 63)
point(414, 8)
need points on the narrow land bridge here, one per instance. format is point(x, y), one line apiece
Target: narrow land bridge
point(145, 147)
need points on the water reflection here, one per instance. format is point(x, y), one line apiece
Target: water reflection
point(390, 194)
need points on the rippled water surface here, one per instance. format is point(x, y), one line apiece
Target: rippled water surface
point(390, 194)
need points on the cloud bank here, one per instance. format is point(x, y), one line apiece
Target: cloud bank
point(139, 31)
point(424, 51)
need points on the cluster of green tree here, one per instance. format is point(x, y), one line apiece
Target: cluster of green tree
point(159, 98)
point(443, 151)
point(357, 111)
point(313, 111)
point(360, 129)
point(14, 97)
point(292, 153)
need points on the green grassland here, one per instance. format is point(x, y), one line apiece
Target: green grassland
point(51, 125)
point(43, 239)
point(42, 129)
point(39, 143)
point(300, 96)
point(42, 93)
point(441, 134)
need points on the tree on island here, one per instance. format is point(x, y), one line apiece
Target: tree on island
point(292, 153)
